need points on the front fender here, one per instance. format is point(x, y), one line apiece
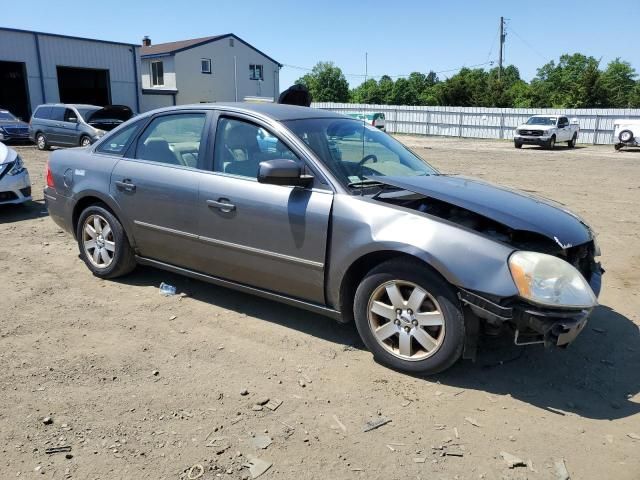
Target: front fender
point(466, 259)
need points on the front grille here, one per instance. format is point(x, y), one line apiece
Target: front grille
point(26, 191)
point(7, 196)
point(18, 131)
point(531, 133)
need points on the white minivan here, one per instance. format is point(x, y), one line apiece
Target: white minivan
point(626, 133)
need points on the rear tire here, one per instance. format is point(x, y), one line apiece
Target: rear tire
point(572, 142)
point(425, 341)
point(41, 142)
point(103, 243)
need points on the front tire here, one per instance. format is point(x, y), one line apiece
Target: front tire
point(409, 318)
point(551, 144)
point(103, 243)
point(85, 141)
point(517, 144)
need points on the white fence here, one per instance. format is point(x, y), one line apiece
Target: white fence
point(596, 124)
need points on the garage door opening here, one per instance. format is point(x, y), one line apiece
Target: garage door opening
point(84, 85)
point(14, 94)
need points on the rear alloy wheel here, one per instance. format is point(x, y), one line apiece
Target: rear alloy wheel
point(103, 244)
point(409, 318)
point(41, 142)
point(626, 136)
point(85, 141)
point(572, 142)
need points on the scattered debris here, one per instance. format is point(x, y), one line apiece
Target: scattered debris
point(512, 461)
point(155, 373)
point(196, 471)
point(262, 401)
point(66, 448)
point(257, 408)
point(167, 290)
point(561, 470)
point(420, 459)
point(340, 424)
point(391, 448)
point(302, 383)
point(273, 404)
point(472, 421)
point(257, 466)
point(373, 424)
point(244, 392)
point(173, 317)
point(633, 436)
point(406, 403)
point(261, 441)
point(357, 469)
point(47, 420)
point(453, 453)
point(455, 432)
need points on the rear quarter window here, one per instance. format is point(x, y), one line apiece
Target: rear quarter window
point(42, 112)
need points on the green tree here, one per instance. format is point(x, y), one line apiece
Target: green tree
point(618, 81)
point(367, 92)
point(402, 93)
point(467, 88)
point(634, 96)
point(385, 86)
point(326, 83)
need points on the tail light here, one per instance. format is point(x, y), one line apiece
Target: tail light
point(373, 123)
point(49, 176)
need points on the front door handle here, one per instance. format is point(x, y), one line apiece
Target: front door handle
point(126, 185)
point(222, 204)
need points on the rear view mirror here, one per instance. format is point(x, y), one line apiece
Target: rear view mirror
point(283, 172)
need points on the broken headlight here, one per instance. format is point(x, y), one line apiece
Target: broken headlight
point(550, 281)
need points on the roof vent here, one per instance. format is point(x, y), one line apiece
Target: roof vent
point(146, 41)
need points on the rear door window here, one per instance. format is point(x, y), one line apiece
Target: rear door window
point(57, 114)
point(173, 139)
point(70, 115)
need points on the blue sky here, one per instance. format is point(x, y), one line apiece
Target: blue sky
point(399, 36)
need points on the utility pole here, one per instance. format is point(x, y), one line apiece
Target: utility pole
point(502, 37)
point(366, 65)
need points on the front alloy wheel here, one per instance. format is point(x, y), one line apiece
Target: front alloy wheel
point(406, 320)
point(409, 317)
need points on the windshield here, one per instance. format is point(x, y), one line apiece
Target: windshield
point(6, 116)
point(542, 121)
point(86, 112)
point(355, 151)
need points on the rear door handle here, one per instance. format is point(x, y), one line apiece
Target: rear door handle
point(126, 185)
point(222, 204)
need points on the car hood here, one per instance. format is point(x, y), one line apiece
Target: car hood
point(109, 117)
point(7, 155)
point(517, 210)
point(525, 126)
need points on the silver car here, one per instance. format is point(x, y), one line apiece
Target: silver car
point(327, 213)
point(15, 185)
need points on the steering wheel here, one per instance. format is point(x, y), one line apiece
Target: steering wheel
point(366, 158)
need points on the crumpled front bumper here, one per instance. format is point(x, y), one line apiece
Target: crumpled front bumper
point(532, 323)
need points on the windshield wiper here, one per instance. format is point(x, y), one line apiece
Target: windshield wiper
point(368, 182)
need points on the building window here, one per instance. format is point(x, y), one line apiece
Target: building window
point(157, 74)
point(231, 42)
point(205, 65)
point(256, 72)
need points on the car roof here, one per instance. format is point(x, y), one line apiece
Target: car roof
point(76, 105)
point(276, 111)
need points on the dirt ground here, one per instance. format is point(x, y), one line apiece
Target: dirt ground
point(145, 386)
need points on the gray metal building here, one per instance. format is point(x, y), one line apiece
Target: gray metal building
point(38, 68)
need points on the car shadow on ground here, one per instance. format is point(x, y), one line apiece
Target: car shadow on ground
point(25, 211)
point(594, 378)
point(264, 309)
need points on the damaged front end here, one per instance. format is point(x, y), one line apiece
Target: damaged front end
point(555, 297)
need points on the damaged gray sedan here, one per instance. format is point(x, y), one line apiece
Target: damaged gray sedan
point(326, 213)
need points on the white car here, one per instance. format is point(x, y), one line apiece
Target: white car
point(546, 131)
point(626, 133)
point(15, 185)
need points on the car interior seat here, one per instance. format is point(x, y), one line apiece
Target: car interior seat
point(157, 149)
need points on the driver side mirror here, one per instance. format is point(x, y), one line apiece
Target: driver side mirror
point(283, 172)
point(72, 119)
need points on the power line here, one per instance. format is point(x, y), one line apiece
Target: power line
point(360, 75)
point(544, 57)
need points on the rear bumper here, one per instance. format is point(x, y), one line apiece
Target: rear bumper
point(60, 209)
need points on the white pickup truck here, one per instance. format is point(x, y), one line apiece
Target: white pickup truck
point(546, 131)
